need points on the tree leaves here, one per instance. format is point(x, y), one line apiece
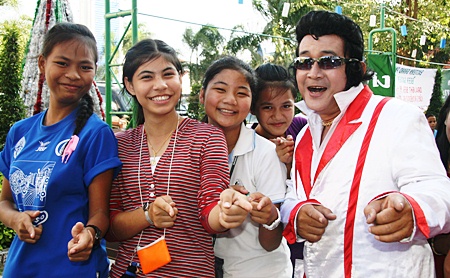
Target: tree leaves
point(11, 55)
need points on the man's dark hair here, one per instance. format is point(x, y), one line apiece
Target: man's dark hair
point(321, 23)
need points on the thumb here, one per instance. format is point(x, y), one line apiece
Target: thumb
point(399, 206)
point(171, 211)
point(325, 214)
point(77, 228)
point(33, 213)
point(398, 202)
point(29, 226)
point(242, 201)
point(264, 201)
point(240, 188)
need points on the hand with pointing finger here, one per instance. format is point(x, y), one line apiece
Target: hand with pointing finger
point(163, 212)
point(234, 208)
point(264, 211)
point(312, 220)
point(24, 227)
point(80, 246)
point(284, 148)
point(391, 218)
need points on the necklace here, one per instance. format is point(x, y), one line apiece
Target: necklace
point(327, 123)
point(154, 159)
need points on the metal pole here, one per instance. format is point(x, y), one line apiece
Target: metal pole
point(109, 56)
point(382, 29)
point(107, 63)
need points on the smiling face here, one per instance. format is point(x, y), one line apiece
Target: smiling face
point(69, 71)
point(318, 86)
point(275, 111)
point(227, 99)
point(157, 87)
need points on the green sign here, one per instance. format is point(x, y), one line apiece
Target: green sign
point(383, 81)
point(445, 83)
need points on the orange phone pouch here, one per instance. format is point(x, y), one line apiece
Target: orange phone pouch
point(154, 255)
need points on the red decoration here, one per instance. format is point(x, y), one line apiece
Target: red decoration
point(100, 100)
point(38, 104)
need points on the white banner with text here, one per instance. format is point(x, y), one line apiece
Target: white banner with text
point(414, 85)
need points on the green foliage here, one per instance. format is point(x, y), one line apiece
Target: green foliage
point(421, 17)
point(143, 33)
point(11, 54)
point(440, 55)
point(126, 42)
point(436, 96)
point(282, 29)
point(207, 46)
point(12, 3)
point(195, 109)
point(249, 42)
point(6, 234)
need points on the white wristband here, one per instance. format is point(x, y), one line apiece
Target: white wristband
point(275, 223)
point(147, 216)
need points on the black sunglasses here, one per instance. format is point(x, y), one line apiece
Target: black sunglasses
point(325, 62)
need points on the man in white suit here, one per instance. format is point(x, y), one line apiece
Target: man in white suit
point(368, 187)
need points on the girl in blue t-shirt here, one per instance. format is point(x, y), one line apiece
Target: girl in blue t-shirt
point(58, 167)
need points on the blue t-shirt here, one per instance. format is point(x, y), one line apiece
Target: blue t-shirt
point(31, 161)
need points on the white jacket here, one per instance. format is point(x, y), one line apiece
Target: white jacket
point(402, 157)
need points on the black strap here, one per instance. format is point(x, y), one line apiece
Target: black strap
point(233, 164)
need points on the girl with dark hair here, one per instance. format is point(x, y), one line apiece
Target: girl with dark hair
point(174, 174)
point(273, 106)
point(273, 103)
point(58, 167)
point(256, 248)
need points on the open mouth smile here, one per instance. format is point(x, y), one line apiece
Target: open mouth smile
point(317, 89)
point(159, 98)
point(226, 111)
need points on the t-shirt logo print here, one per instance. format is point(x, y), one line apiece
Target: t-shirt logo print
point(30, 190)
point(19, 146)
point(60, 147)
point(42, 146)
